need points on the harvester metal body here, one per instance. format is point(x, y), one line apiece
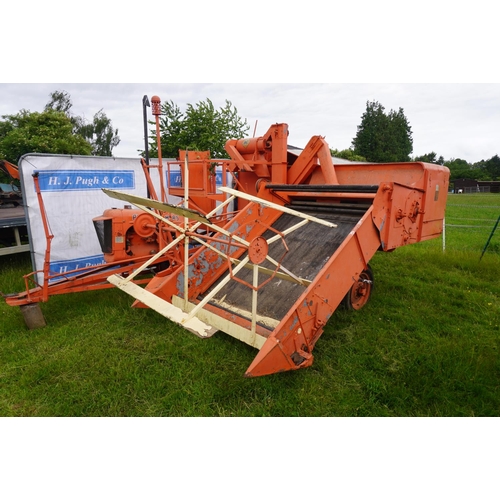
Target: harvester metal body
point(298, 243)
point(270, 257)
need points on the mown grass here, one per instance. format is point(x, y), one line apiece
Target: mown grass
point(427, 344)
point(470, 218)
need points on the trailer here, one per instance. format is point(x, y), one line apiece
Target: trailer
point(13, 231)
point(13, 227)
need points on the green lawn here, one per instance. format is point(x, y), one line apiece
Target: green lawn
point(427, 344)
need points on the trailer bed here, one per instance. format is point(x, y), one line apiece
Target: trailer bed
point(13, 230)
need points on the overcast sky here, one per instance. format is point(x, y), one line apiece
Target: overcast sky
point(453, 120)
point(357, 41)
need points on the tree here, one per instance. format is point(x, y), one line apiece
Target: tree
point(99, 133)
point(383, 137)
point(484, 170)
point(369, 140)
point(427, 158)
point(460, 169)
point(492, 166)
point(347, 154)
point(399, 136)
point(47, 132)
point(430, 158)
point(60, 100)
point(202, 127)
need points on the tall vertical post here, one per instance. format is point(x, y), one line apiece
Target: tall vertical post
point(145, 104)
point(444, 235)
point(491, 236)
point(156, 110)
point(186, 227)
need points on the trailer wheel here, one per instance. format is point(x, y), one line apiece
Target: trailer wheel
point(360, 292)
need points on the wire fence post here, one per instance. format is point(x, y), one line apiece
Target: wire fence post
point(444, 234)
point(489, 239)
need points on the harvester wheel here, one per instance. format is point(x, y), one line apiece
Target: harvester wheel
point(360, 292)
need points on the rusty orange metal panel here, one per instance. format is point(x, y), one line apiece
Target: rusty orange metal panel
point(290, 345)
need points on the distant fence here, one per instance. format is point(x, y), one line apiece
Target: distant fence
point(471, 190)
point(470, 221)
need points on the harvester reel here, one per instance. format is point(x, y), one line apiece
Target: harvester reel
point(258, 252)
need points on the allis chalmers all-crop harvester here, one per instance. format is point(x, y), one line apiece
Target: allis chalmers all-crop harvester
point(268, 257)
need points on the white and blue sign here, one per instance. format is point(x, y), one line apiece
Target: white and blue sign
point(71, 190)
point(85, 180)
point(74, 266)
point(175, 179)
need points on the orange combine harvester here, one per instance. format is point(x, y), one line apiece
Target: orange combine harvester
point(268, 257)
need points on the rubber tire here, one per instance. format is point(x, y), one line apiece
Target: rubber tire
point(360, 293)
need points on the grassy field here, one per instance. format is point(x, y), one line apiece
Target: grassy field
point(427, 344)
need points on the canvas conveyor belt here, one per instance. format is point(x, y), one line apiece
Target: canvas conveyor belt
point(309, 249)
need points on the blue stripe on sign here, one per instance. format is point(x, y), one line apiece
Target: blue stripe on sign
point(85, 180)
point(176, 179)
point(73, 267)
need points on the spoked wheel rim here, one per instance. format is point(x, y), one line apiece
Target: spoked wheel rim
point(360, 292)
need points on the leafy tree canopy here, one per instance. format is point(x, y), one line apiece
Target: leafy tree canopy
point(430, 158)
point(347, 154)
point(383, 137)
point(55, 131)
point(483, 170)
point(201, 127)
point(460, 169)
point(60, 100)
point(99, 133)
point(492, 166)
point(47, 132)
